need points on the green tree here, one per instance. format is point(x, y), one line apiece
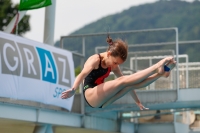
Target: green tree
point(77, 70)
point(7, 11)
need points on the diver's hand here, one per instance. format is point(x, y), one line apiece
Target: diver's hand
point(139, 104)
point(68, 93)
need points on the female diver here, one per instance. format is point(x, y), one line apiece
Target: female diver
point(100, 94)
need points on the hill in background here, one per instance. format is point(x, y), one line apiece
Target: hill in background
point(161, 14)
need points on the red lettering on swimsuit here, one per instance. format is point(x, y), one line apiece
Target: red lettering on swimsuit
point(101, 79)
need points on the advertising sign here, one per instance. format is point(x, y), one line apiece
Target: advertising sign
point(34, 71)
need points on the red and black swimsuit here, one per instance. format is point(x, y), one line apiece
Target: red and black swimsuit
point(96, 77)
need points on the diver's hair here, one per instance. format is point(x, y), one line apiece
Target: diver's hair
point(118, 48)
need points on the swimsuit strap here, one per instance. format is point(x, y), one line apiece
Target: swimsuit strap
point(100, 60)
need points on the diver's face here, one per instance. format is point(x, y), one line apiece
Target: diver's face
point(112, 61)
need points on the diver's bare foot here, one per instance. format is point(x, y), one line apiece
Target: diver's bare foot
point(170, 65)
point(160, 64)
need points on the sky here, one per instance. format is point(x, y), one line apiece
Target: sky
point(71, 15)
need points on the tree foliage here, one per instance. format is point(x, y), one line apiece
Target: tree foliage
point(7, 11)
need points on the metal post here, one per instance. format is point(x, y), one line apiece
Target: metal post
point(177, 61)
point(136, 63)
point(81, 85)
point(49, 23)
point(49, 129)
point(40, 129)
point(83, 46)
point(152, 85)
point(187, 79)
point(172, 75)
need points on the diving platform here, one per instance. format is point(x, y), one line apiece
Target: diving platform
point(155, 100)
point(108, 117)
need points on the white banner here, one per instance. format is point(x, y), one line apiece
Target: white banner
point(35, 71)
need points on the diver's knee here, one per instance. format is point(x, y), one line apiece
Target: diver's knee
point(122, 80)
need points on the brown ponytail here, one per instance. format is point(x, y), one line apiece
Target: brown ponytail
point(109, 40)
